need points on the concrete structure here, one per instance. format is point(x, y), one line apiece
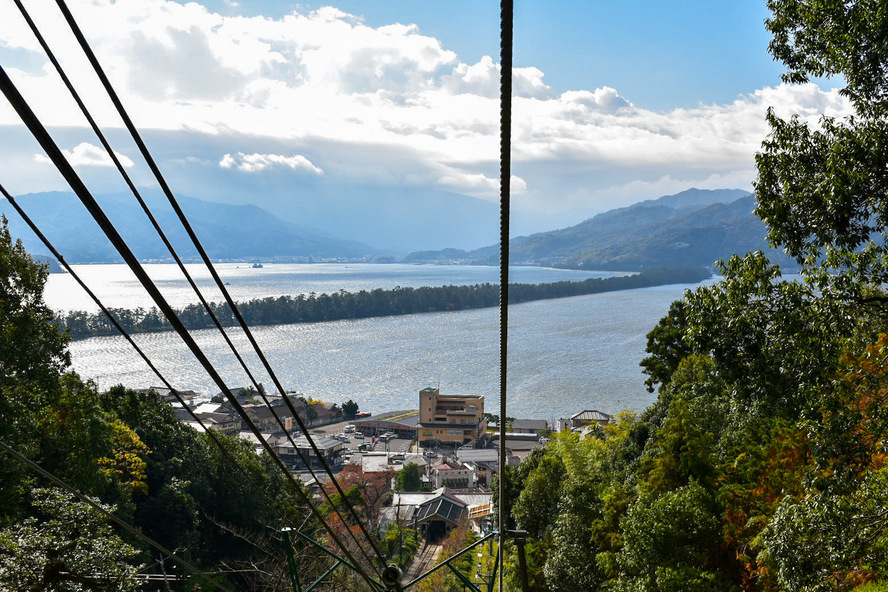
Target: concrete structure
point(450, 419)
point(478, 507)
point(375, 427)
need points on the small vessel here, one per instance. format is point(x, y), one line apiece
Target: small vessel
point(257, 265)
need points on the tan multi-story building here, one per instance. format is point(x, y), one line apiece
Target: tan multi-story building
point(450, 419)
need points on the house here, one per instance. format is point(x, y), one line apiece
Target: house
point(330, 449)
point(264, 418)
point(453, 475)
point(450, 419)
point(226, 423)
point(530, 426)
point(588, 417)
point(188, 397)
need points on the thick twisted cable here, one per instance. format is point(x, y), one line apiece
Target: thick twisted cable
point(506, 34)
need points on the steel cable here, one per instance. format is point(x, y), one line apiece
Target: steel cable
point(54, 153)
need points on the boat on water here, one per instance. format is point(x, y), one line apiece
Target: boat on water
point(257, 265)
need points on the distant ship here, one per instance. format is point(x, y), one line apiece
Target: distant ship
point(257, 266)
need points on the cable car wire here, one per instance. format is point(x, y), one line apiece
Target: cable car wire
point(64, 167)
point(506, 35)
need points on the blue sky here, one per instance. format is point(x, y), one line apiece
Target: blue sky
point(615, 102)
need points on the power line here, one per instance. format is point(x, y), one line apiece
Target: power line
point(54, 153)
point(46, 242)
point(109, 150)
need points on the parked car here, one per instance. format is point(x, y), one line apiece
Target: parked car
point(359, 436)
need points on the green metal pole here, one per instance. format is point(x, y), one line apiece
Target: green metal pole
point(291, 561)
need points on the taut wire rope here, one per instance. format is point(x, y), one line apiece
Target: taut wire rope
point(206, 306)
point(73, 273)
point(506, 34)
point(121, 170)
point(64, 167)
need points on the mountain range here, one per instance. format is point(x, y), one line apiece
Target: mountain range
point(692, 228)
point(241, 232)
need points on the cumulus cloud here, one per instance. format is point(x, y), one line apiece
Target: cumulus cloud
point(85, 154)
point(255, 163)
point(479, 184)
point(483, 79)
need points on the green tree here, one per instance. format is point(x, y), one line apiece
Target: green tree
point(822, 190)
point(672, 543)
point(537, 505)
point(409, 478)
point(33, 356)
point(350, 409)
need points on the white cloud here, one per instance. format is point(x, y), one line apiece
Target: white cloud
point(385, 103)
point(85, 154)
point(480, 185)
point(255, 163)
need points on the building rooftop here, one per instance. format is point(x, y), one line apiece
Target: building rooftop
point(590, 415)
point(530, 424)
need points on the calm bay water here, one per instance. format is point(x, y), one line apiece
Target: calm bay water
point(565, 355)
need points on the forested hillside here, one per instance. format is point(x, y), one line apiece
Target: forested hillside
point(690, 229)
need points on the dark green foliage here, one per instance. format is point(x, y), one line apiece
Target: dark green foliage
point(409, 478)
point(672, 542)
point(65, 545)
point(350, 409)
point(32, 351)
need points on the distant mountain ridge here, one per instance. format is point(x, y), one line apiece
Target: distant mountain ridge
point(692, 228)
point(226, 231)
